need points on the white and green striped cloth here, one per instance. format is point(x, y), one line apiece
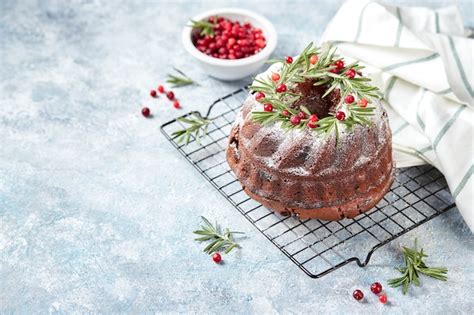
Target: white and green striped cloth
point(422, 61)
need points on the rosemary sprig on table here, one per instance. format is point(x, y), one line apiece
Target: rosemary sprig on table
point(207, 28)
point(322, 72)
point(197, 128)
point(218, 241)
point(179, 80)
point(414, 266)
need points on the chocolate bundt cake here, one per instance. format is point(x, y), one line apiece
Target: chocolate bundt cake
point(313, 141)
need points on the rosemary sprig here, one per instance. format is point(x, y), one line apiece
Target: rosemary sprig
point(414, 266)
point(179, 80)
point(197, 128)
point(218, 241)
point(321, 73)
point(206, 28)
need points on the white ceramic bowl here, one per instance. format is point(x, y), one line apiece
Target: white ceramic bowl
point(226, 69)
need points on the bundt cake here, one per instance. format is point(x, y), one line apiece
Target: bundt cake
point(312, 140)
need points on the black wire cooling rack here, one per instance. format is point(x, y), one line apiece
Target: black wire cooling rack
point(417, 195)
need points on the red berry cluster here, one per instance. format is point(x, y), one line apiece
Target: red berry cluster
point(231, 39)
point(376, 288)
point(146, 112)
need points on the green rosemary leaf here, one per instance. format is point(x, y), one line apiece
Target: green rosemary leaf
point(219, 241)
point(197, 128)
point(179, 80)
point(205, 27)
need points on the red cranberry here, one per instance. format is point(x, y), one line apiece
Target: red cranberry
point(313, 59)
point(153, 93)
point(146, 112)
point(334, 70)
point(339, 64)
point(358, 295)
point(259, 95)
point(285, 113)
point(362, 102)
point(289, 59)
point(312, 125)
point(376, 288)
point(383, 298)
point(217, 258)
point(349, 99)
point(302, 115)
point(176, 104)
point(161, 89)
point(351, 73)
point(281, 88)
point(275, 77)
point(313, 118)
point(170, 95)
point(268, 107)
point(340, 115)
point(295, 120)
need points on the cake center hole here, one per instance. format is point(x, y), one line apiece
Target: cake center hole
point(313, 98)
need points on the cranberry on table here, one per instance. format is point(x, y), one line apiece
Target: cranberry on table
point(376, 288)
point(259, 95)
point(153, 93)
point(146, 112)
point(295, 120)
point(362, 102)
point(358, 295)
point(349, 99)
point(176, 104)
point(217, 258)
point(170, 95)
point(268, 107)
point(340, 115)
point(281, 88)
point(383, 298)
point(161, 89)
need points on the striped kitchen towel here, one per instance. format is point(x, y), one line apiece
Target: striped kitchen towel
point(421, 59)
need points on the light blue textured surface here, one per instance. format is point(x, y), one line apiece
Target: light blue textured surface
point(97, 209)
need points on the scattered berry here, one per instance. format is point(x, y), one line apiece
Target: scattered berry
point(339, 64)
point(161, 89)
point(302, 115)
point(146, 112)
point(349, 99)
point(176, 104)
point(295, 120)
point(358, 295)
point(376, 288)
point(217, 258)
point(351, 73)
point(383, 298)
point(259, 95)
point(153, 93)
point(313, 59)
point(340, 115)
point(268, 107)
point(285, 113)
point(313, 118)
point(362, 102)
point(289, 59)
point(170, 95)
point(281, 88)
point(275, 77)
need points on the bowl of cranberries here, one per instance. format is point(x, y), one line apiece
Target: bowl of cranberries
point(230, 44)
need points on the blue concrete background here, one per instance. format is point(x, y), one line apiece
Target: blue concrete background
point(97, 209)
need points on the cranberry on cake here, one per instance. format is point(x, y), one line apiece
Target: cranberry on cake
point(312, 140)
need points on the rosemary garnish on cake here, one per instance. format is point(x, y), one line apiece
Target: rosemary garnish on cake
point(321, 66)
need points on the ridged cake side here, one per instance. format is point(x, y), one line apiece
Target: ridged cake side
point(303, 173)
